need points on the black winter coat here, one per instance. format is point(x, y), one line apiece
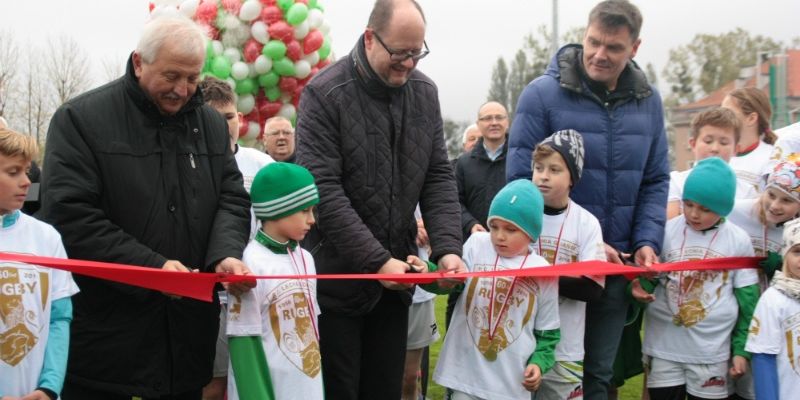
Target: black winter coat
point(479, 179)
point(125, 184)
point(375, 153)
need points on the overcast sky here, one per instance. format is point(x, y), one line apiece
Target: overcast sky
point(465, 36)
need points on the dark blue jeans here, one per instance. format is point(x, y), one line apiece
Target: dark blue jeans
point(605, 320)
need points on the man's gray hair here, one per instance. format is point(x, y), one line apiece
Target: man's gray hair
point(276, 119)
point(178, 29)
point(614, 14)
point(466, 132)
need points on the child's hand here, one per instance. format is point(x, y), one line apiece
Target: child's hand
point(417, 264)
point(641, 295)
point(738, 367)
point(533, 378)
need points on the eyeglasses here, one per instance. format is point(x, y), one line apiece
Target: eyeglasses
point(402, 55)
point(490, 118)
point(283, 132)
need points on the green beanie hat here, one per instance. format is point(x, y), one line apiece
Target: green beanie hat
point(281, 189)
point(520, 203)
point(712, 184)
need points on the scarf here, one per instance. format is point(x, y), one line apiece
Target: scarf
point(786, 285)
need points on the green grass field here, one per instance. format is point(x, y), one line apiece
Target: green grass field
point(631, 391)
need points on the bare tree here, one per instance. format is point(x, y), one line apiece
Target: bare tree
point(113, 68)
point(67, 68)
point(34, 102)
point(9, 54)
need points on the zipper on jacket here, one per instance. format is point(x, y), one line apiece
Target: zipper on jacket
point(191, 161)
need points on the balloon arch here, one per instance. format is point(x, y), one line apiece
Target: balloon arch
point(267, 50)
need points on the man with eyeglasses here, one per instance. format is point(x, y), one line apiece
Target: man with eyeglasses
point(279, 139)
point(369, 129)
point(597, 89)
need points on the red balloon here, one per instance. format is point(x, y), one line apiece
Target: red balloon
point(206, 11)
point(293, 50)
point(287, 84)
point(301, 1)
point(269, 2)
point(271, 108)
point(297, 92)
point(151, 6)
point(271, 14)
point(252, 49)
point(232, 6)
point(282, 31)
point(322, 64)
point(243, 125)
point(313, 41)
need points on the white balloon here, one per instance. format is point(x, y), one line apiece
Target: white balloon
point(252, 71)
point(287, 111)
point(189, 8)
point(253, 129)
point(231, 83)
point(233, 55)
point(165, 11)
point(246, 103)
point(302, 69)
point(218, 47)
point(325, 27)
point(231, 22)
point(239, 71)
point(250, 10)
point(312, 58)
point(314, 18)
point(300, 31)
point(262, 64)
point(259, 32)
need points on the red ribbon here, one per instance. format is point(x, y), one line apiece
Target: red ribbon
point(200, 286)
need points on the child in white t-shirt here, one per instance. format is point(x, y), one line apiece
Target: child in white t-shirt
point(763, 219)
point(714, 133)
point(272, 329)
point(504, 330)
point(219, 95)
point(752, 161)
point(569, 234)
point(35, 304)
point(696, 322)
point(775, 328)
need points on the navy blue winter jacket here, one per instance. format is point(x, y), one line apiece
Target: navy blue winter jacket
point(626, 170)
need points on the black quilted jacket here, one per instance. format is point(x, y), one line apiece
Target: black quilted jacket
point(375, 152)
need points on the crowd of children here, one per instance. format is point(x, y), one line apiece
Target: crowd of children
point(707, 334)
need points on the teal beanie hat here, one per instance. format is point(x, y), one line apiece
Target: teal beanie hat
point(282, 189)
point(521, 204)
point(712, 184)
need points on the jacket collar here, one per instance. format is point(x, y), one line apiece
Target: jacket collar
point(566, 66)
point(366, 76)
point(480, 152)
point(145, 103)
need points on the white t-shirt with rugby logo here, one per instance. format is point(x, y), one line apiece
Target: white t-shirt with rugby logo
point(284, 313)
point(694, 313)
point(26, 295)
point(470, 361)
point(750, 170)
point(775, 329)
point(581, 240)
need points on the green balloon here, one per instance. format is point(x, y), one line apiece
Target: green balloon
point(273, 93)
point(268, 80)
point(297, 14)
point(221, 67)
point(312, 4)
point(325, 49)
point(246, 86)
point(285, 4)
point(284, 67)
point(274, 49)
